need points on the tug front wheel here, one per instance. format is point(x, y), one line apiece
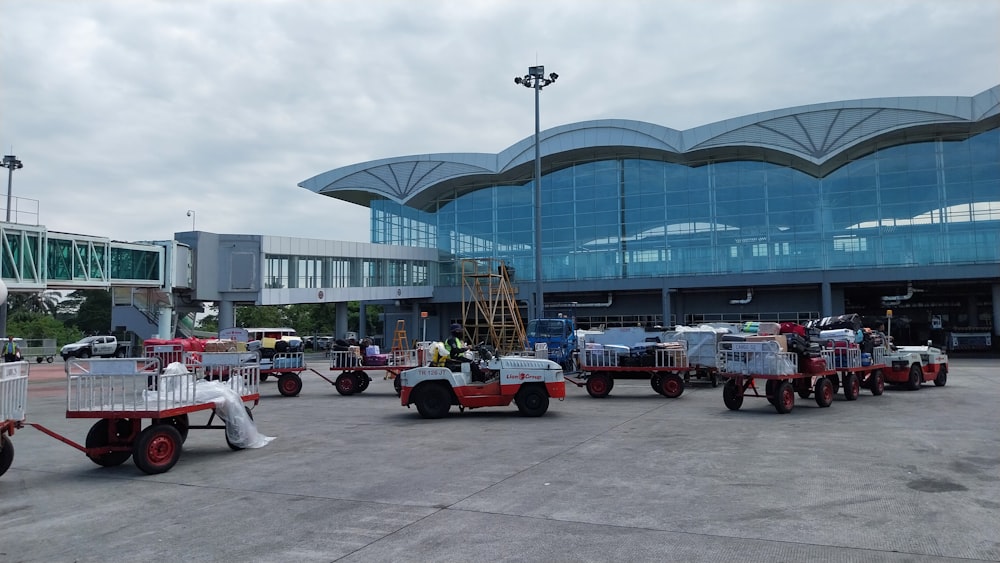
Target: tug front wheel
point(432, 401)
point(532, 401)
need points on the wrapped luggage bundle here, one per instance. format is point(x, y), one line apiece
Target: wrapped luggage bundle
point(702, 343)
point(851, 322)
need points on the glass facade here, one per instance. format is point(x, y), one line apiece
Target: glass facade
point(287, 271)
point(935, 202)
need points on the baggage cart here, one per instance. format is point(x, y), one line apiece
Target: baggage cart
point(121, 393)
point(745, 364)
point(43, 350)
point(853, 372)
point(286, 366)
point(665, 368)
point(13, 403)
point(351, 374)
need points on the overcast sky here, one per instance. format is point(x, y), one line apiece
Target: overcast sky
point(128, 114)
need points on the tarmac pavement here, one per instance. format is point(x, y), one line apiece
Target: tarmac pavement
point(906, 476)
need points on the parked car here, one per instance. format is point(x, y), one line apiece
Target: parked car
point(95, 346)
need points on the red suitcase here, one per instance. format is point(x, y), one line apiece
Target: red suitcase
point(813, 365)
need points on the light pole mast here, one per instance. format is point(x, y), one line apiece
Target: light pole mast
point(536, 79)
point(11, 163)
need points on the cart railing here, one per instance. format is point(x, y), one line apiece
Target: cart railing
point(878, 355)
point(652, 357)
point(402, 358)
point(599, 357)
point(284, 361)
point(340, 359)
point(344, 359)
point(13, 390)
point(167, 354)
point(838, 358)
point(240, 369)
point(756, 358)
point(139, 385)
point(44, 348)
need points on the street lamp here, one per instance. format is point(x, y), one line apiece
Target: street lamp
point(536, 79)
point(11, 163)
point(191, 214)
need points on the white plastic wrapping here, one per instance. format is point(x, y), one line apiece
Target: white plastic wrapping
point(240, 428)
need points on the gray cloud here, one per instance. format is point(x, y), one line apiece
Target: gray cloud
point(127, 114)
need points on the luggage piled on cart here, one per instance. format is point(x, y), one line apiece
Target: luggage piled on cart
point(745, 363)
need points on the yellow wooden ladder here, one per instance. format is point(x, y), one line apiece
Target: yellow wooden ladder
point(399, 344)
point(399, 341)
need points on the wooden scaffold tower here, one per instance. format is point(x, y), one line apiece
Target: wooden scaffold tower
point(489, 305)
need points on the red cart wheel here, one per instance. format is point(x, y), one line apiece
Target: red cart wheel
point(835, 381)
point(824, 392)
point(769, 390)
point(784, 397)
point(599, 385)
point(100, 436)
point(346, 384)
point(157, 449)
point(289, 384)
point(852, 387)
point(180, 422)
point(671, 386)
point(878, 382)
point(732, 395)
point(6, 453)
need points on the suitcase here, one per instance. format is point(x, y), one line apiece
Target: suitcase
point(377, 360)
point(792, 328)
point(812, 365)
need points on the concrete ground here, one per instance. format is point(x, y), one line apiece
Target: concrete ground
point(907, 476)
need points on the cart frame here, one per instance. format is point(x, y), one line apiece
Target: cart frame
point(744, 363)
point(846, 363)
point(13, 406)
point(118, 393)
point(42, 350)
point(667, 375)
point(350, 375)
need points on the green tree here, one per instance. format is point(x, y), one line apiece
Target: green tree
point(261, 316)
point(45, 302)
point(208, 323)
point(94, 313)
point(38, 326)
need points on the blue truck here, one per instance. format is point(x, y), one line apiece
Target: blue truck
point(559, 335)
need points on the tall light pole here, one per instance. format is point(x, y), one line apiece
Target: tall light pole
point(191, 214)
point(11, 163)
point(536, 79)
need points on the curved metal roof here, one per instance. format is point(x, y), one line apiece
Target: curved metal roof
point(814, 138)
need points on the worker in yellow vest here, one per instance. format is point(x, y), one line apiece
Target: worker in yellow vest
point(11, 351)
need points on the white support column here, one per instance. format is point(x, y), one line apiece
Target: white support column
point(164, 322)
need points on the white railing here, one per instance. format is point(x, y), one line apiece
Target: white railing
point(13, 390)
point(137, 385)
point(839, 358)
point(756, 358)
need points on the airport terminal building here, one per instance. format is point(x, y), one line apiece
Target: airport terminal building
point(856, 206)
